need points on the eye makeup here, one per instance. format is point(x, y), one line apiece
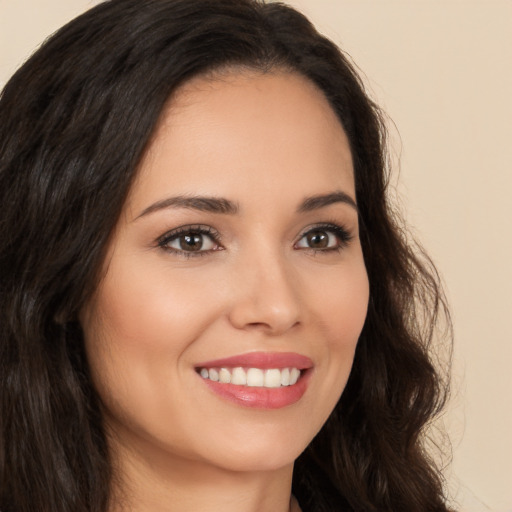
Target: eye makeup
point(324, 237)
point(191, 241)
point(201, 240)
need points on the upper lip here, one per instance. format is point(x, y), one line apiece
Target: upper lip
point(263, 360)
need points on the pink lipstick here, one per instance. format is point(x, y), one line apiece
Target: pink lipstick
point(266, 380)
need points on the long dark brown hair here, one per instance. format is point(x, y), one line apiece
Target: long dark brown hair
point(74, 123)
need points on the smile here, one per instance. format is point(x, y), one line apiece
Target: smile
point(253, 377)
point(258, 379)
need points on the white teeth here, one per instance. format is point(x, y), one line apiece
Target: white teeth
point(294, 376)
point(224, 376)
point(239, 377)
point(252, 377)
point(255, 377)
point(272, 379)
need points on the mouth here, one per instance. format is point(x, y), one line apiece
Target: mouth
point(258, 379)
point(252, 377)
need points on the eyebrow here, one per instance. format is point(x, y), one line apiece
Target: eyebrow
point(227, 207)
point(323, 200)
point(200, 203)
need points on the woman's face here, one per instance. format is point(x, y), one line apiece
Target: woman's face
point(236, 259)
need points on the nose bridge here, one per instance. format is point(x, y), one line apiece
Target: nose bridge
point(267, 295)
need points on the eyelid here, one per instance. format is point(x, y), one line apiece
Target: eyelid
point(343, 234)
point(200, 229)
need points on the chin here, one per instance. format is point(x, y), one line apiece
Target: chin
point(250, 462)
point(258, 451)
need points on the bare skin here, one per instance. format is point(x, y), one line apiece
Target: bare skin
point(275, 266)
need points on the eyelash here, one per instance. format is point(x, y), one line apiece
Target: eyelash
point(164, 241)
point(340, 232)
point(342, 235)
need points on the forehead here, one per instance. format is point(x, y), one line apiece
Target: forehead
point(242, 131)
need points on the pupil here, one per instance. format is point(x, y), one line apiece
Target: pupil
point(318, 239)
point(191, 242)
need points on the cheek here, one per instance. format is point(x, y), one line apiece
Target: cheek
point(138, 330)
point(340, 307)
point(127, 330)
point(145, 313)
point(341, 304)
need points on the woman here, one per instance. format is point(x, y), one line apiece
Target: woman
point(206, 301)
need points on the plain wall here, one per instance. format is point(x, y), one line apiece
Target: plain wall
point(442, 71)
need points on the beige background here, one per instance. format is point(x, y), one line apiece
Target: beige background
point(443, 72)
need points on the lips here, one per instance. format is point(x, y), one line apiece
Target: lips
point(263, 360)
point(258, 379)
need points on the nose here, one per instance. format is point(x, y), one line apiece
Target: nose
point(266, 296)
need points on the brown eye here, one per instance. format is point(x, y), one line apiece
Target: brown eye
point(190, 241)
point(324, 238)
point(317, 239)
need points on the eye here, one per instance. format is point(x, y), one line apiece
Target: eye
point(324, 238)
point(190, 240)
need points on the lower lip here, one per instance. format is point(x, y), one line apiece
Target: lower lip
point(259, 397)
